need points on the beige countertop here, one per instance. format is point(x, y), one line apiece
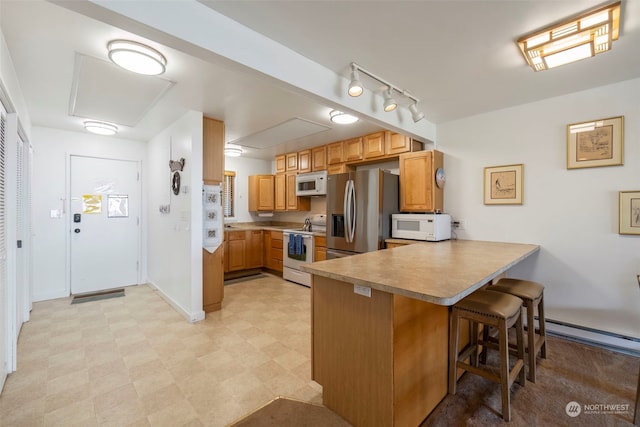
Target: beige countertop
point(438, 272)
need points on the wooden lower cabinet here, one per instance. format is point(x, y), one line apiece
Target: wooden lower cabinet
point(213, 279)
point(253, 248)
point(236, 254)
point(273, 250)
point(320, 248)
point(381, 361)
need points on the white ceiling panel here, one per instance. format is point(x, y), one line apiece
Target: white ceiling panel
point(289, 130)
point(103, 91)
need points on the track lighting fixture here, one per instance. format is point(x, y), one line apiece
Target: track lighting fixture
point(390, 104)
point(416, 115)
point(356, 88)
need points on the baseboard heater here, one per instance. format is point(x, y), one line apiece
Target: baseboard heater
point(595, 337)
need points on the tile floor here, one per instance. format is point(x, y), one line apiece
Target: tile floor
point(135, 361)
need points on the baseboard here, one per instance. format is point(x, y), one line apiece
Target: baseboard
point(595, 337)
point(190, 317)
point(50, 295)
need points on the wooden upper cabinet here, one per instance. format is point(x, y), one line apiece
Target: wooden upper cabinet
point(397, 143)
point(281, 163)
point(374, 145)
point(335, 153)
point(418, 190)
point(280, 189)
point(292, 162)
point(319, 158)
point(261, 193)
point(337, 168)
point(212, 151)
point(353, 149)
point(304, 161)
point(295, 203)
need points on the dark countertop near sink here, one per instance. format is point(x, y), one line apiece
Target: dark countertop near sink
point(266, 225)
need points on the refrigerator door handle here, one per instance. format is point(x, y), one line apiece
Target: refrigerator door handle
point(352, 222)
point(346, 210)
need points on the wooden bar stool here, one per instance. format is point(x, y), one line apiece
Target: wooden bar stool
point(532, 296)
point(501, 311)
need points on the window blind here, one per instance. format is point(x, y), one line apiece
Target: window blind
point(228, 193)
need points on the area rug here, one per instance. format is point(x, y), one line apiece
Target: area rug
point(97, 296)
point(284, 412)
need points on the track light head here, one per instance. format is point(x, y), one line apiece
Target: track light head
point(416, 115)
point(390, 104)
point(355, 87)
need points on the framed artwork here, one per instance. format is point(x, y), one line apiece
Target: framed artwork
point(595, 143)
point(503, 185)
point(629, 211)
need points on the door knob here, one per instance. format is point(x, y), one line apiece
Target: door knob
point(77, 230)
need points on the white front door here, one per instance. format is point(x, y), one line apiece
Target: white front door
point(105, 223)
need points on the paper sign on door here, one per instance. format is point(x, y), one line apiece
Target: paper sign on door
point(92, 204)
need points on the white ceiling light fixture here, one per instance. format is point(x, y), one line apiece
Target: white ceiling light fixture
point(580, 37)
point(137, 57)
point(416, 115)
point(390, 103)
point(355, 87)
point(342, 118)
point(100, 128)
point(233, 150)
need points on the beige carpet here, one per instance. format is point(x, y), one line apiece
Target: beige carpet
point(283, 412)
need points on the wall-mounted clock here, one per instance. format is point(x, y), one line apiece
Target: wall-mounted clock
point(175, 183)
point(440, 178)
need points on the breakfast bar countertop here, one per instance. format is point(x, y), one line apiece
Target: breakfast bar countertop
point(437, 272)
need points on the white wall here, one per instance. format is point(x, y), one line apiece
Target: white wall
point(52, 148)
point(589, 270)
point(245, 167)
point(175, 239)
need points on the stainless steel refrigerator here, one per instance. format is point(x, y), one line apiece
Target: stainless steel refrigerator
point(359, 208)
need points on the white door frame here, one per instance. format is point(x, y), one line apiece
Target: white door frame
point(67, 207)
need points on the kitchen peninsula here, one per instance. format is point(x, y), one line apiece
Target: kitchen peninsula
point(380, 324)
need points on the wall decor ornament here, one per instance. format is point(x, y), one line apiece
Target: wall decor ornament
point(503, 184)
point(629, 212)
point(176, 165)
point(175, 183)
point(595, 143)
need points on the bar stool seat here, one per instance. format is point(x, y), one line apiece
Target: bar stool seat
point(499, 310)
point(532, 295)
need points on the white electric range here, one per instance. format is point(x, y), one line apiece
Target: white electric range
point(298, 248)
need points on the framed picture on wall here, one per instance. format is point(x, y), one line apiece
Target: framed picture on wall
point(503, 185)
point(629, 212)
point(595, 143)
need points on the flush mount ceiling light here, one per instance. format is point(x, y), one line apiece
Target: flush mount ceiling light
point(100, 128)
point(390, 104)
point(580, 37)
point(232, 150)
point(342, 118)
point(136, 57)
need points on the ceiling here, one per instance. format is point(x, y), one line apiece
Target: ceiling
point(458, 57)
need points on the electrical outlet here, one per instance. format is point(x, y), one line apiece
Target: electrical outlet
point(362, 290)
point(458, 224)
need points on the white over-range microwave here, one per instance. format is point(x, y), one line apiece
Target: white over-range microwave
point(430, 227)
point(311, 184)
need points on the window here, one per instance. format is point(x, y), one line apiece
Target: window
point(228, 189)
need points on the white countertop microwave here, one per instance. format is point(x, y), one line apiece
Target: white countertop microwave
point(311, 184)
point(430, 227)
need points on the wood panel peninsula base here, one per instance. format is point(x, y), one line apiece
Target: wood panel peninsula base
point(382, 359)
